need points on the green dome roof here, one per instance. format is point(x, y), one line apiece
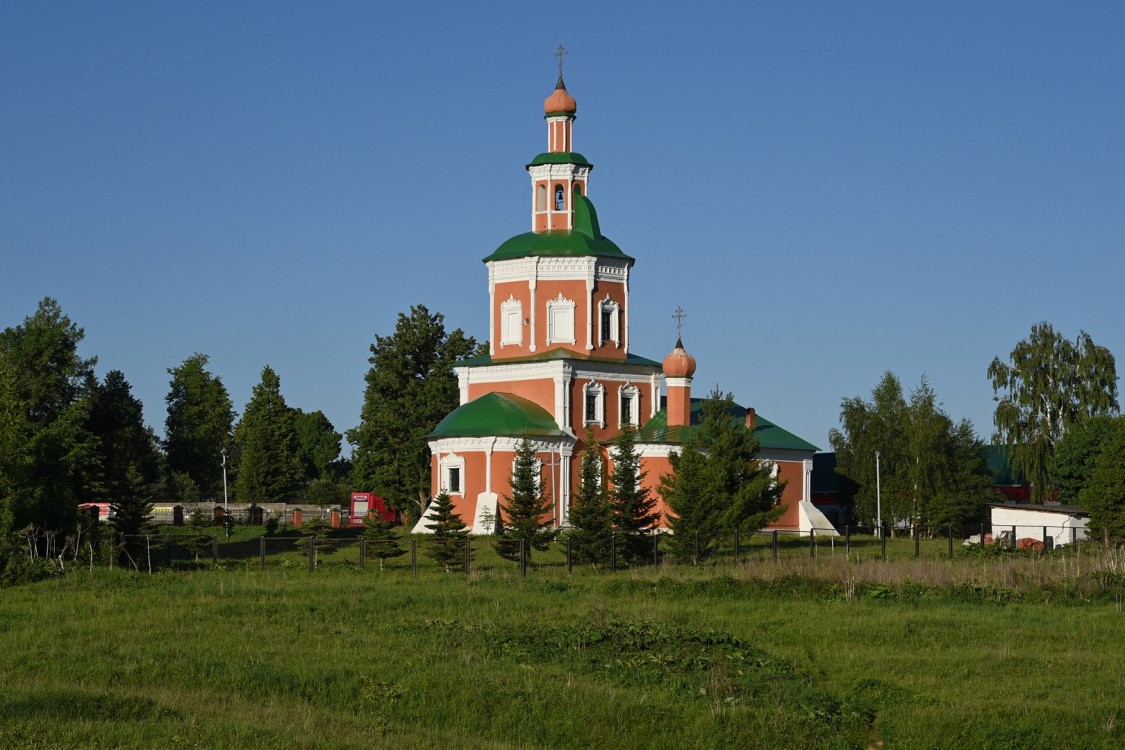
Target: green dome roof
point(586, 239)
point(560, 157)
point(498, 414)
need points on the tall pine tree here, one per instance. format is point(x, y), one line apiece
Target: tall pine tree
point(269, 469)
point(197, 428)
point(527, 514)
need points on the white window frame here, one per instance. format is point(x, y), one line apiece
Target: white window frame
point(445, 463)
point(563, 307)
point(536, 472)
point(511, 322)
point(597, 390)
point(614, 334)
point(632, 393)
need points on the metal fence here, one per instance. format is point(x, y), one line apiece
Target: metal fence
point(478, 554)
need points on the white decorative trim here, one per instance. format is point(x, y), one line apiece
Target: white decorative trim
point(786, 455)
point(500, 444)
point(672, 382)
point(532, 282)
point(656, 450)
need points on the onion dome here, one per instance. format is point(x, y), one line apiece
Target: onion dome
point(560, 102)
point(679, 364)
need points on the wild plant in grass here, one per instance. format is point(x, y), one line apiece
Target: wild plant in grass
point(199, 541)
point(315, 531)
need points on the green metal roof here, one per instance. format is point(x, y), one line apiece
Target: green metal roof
point(769, 435)
point(497, 414)
point(585, 239)
point(552, 354)
point(560, 157)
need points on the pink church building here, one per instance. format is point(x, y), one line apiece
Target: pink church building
point(559, 361)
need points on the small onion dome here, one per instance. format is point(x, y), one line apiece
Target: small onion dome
point(679, 364)
point(560, 101)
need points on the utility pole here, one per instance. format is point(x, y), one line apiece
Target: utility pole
point(226, 505)
point(878, 497)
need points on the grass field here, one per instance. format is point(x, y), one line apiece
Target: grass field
point(969, 652)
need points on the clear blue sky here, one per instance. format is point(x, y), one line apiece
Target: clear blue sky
point(829, 189)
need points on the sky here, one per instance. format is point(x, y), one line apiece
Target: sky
point(830, 190)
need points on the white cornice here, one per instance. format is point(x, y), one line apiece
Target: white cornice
point(499, 444)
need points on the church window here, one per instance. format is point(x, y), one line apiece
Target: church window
point(511, 322)
point(595, 405)
point(451, 470)
point(560, 320)
point(578, 188)
point(610, 321)
point(629, 398)
point(560, 198)
point(541, 198)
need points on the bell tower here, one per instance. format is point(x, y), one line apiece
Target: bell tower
point(558, 174)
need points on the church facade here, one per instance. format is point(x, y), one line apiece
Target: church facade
point(559, 361)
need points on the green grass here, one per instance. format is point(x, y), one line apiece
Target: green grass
point(933, 653)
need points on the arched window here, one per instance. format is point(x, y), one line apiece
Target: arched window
point(541, 198)
point(629, 404)
point(560, 198)
point(578, 188)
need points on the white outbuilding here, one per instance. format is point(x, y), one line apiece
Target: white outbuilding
point(1064, 524)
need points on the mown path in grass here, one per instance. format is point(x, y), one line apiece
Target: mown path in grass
point(648, 659)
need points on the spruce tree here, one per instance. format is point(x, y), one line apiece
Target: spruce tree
point(450, 534)
point(382, 541)
point(198, 425)
point(634, 511)
point(527, 515)
point(591, 517)
point(132, 516)
point(718, 485)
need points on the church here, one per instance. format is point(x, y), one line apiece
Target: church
point(559, 362)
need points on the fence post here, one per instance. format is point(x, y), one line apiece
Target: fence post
point(569, 559)
point(413, 556)
point(812, 544)
point(523, 557)
point(848, 541)
point(1073, 537)
point(951, 540)
point(312, 553)
point(262, 551)
point(148, 549)
point(215, 550)
point(168, 551)
point(468, 555)
point(775, 545)
point(917, 537)
point(883, 539)
point(695, 549)
point(1014, 545)
point(363, 553)
point(613, 553)
point(982, 534)
point(655, 547)
point(737, 546)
